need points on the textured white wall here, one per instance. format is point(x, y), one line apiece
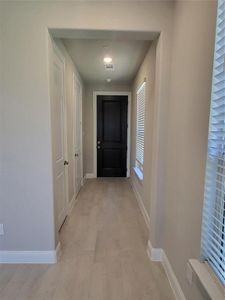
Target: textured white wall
point(146, 71)
point(187, 131)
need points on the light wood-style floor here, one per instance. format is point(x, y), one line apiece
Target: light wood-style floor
point(103, 254)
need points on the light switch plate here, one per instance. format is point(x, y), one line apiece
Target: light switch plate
point(1, 229)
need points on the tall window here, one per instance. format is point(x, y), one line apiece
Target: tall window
point(213, 236)
point(140, 130)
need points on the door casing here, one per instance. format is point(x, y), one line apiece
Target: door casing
point(114, 93)
point(78, 105)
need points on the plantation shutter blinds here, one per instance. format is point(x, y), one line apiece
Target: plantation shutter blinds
point(140, 127)
point(213, 237)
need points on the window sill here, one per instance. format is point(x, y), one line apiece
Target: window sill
point(209, 282)
point(138, 173)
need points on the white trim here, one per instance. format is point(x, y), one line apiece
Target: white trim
point(90, 175)
point(77, 82)
point(30, 257)
point(141, 85)
point(178, 293)
point(141, 204)
point(154, 254)
point(114, 93)
point(157, 254)
point(139, 174)
point(157, 133)
point(208, 279)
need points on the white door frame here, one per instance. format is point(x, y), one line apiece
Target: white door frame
point(81, 129)
point(77, 81)
point(57, 52)
point(116, 93)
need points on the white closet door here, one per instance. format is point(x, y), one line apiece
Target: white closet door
point(58, 123)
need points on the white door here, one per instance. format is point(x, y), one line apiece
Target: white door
point(59, 136)
point(78, 136)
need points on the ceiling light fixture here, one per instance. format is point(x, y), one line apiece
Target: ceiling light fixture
point(108, 79)
point(107, 59)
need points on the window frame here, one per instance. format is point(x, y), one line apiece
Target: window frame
point(139, 165)
point(213, 223)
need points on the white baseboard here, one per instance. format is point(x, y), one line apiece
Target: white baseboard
point(141, 204)
point(154, 254)
point(30, 257)
point(157, 254)
point(178, 293)
point(90, 175)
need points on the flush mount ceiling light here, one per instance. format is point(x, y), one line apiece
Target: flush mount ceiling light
point(108, 79)
point(107, 59)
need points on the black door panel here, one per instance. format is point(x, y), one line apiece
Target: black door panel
point(112, 136)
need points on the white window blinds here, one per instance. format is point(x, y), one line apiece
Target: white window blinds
point(213, 237)
point(140, 127)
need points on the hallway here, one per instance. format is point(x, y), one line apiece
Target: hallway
point(103, 254)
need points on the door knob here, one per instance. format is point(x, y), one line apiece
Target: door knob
point(66, 162)
point(76, 154)
point(99, 142)
point(98, 147)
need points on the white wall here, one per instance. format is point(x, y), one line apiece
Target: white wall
point(146, 72)
point(27, 195)
point(88, 121)
point(1, 119)
point(187, 131)
point(176, 211)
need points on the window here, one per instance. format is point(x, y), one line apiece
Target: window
point(213, 235)
point(140, 131)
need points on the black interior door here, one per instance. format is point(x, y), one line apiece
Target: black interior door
point(112, 136)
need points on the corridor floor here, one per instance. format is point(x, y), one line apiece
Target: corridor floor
point(103, 254)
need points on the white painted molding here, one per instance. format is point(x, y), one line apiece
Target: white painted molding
point(30, 257)
point(90, 175)
point(154, 254)
point(140, 204)
point(157, 254)
point(212, 285)
point(178, 293)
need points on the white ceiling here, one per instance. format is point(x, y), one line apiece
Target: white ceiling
point(88, 56)
point(91, 34)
